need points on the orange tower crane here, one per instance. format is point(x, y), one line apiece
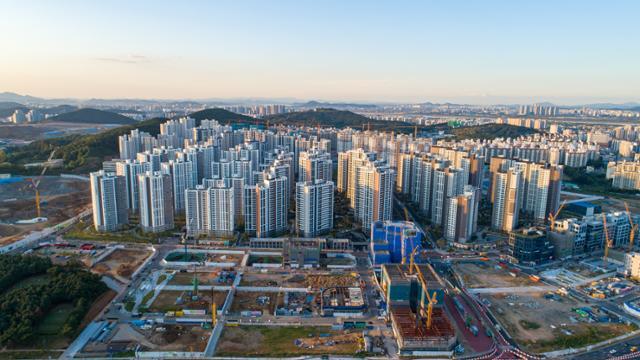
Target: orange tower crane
point(552, 217)
point(634, 227)
point(35, 183)
point(431, 299)
point(607, 242)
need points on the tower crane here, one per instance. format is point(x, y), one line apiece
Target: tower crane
point(35, 183)
point(431, 299)
point(214, 315)
point(634, 227)
point(607, 243)
point(552, 217)
point(412, 260)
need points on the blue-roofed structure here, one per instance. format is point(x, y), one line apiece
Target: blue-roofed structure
point(391, 241)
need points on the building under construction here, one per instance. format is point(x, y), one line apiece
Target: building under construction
point(413, 336)
point(415, 295)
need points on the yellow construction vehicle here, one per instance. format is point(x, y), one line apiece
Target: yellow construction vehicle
point(634, 227)
point(552, 217)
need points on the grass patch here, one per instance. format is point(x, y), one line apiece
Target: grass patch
point(265, 259)
point(161, 278)
point(147, 297)
point(129, 305)
point(529, 325)
point(188, 257)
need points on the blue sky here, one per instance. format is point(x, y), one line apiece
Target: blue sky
point(466, 51)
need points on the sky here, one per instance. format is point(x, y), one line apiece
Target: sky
point(567, 52)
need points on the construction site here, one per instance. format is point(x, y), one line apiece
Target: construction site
point(285, 341)
point(110, 337)
point(121, 263)
point(180, 300)
point(415, 296)
point(286, 280)
point(60, 198)
point(547, 321)
point(254, 303)
point(490, 274)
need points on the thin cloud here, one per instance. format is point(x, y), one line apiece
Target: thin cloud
point(129, 59)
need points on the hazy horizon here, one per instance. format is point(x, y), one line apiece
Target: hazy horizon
point(493, 52)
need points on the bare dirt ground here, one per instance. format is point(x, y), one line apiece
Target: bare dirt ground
point(204, 278)
point(272, 279)
point(539, 324)
point(168, 300)
point(284, 341)
point(121, 262)
point(248, 301)
point(614, 204)
point(485, 275)
point(61, 199)
point(180, 338)
point(326, 281)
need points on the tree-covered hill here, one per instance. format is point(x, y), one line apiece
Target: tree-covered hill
point(81, 153)
point(222, 116)
point(92, 116)
point(491, 131)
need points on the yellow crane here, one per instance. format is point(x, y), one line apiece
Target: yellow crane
point(431, 299)
point(214, 315)
point(634, 227)
point(552, 217)
point(412, 260)
point(607, 242)
point(36, 183)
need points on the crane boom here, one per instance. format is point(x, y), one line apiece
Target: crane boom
point(606, 243)
point(552, 217)
point(634, 227)
point(431, 298)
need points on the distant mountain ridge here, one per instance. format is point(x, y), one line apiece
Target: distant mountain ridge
point(222, 116)
point(92, 116)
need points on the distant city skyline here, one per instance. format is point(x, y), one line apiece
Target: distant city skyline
point(491, 52)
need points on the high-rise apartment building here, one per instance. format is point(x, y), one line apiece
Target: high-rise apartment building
point(183, 177)
point(373, 199)
point(447, 183)
point(156, 201)
point(130, 169)
point(210, 209)
point(314, 207)
point(506, 186)
point(315, 165)
point(109, 201)
point(461, 219)
point(266, 206)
